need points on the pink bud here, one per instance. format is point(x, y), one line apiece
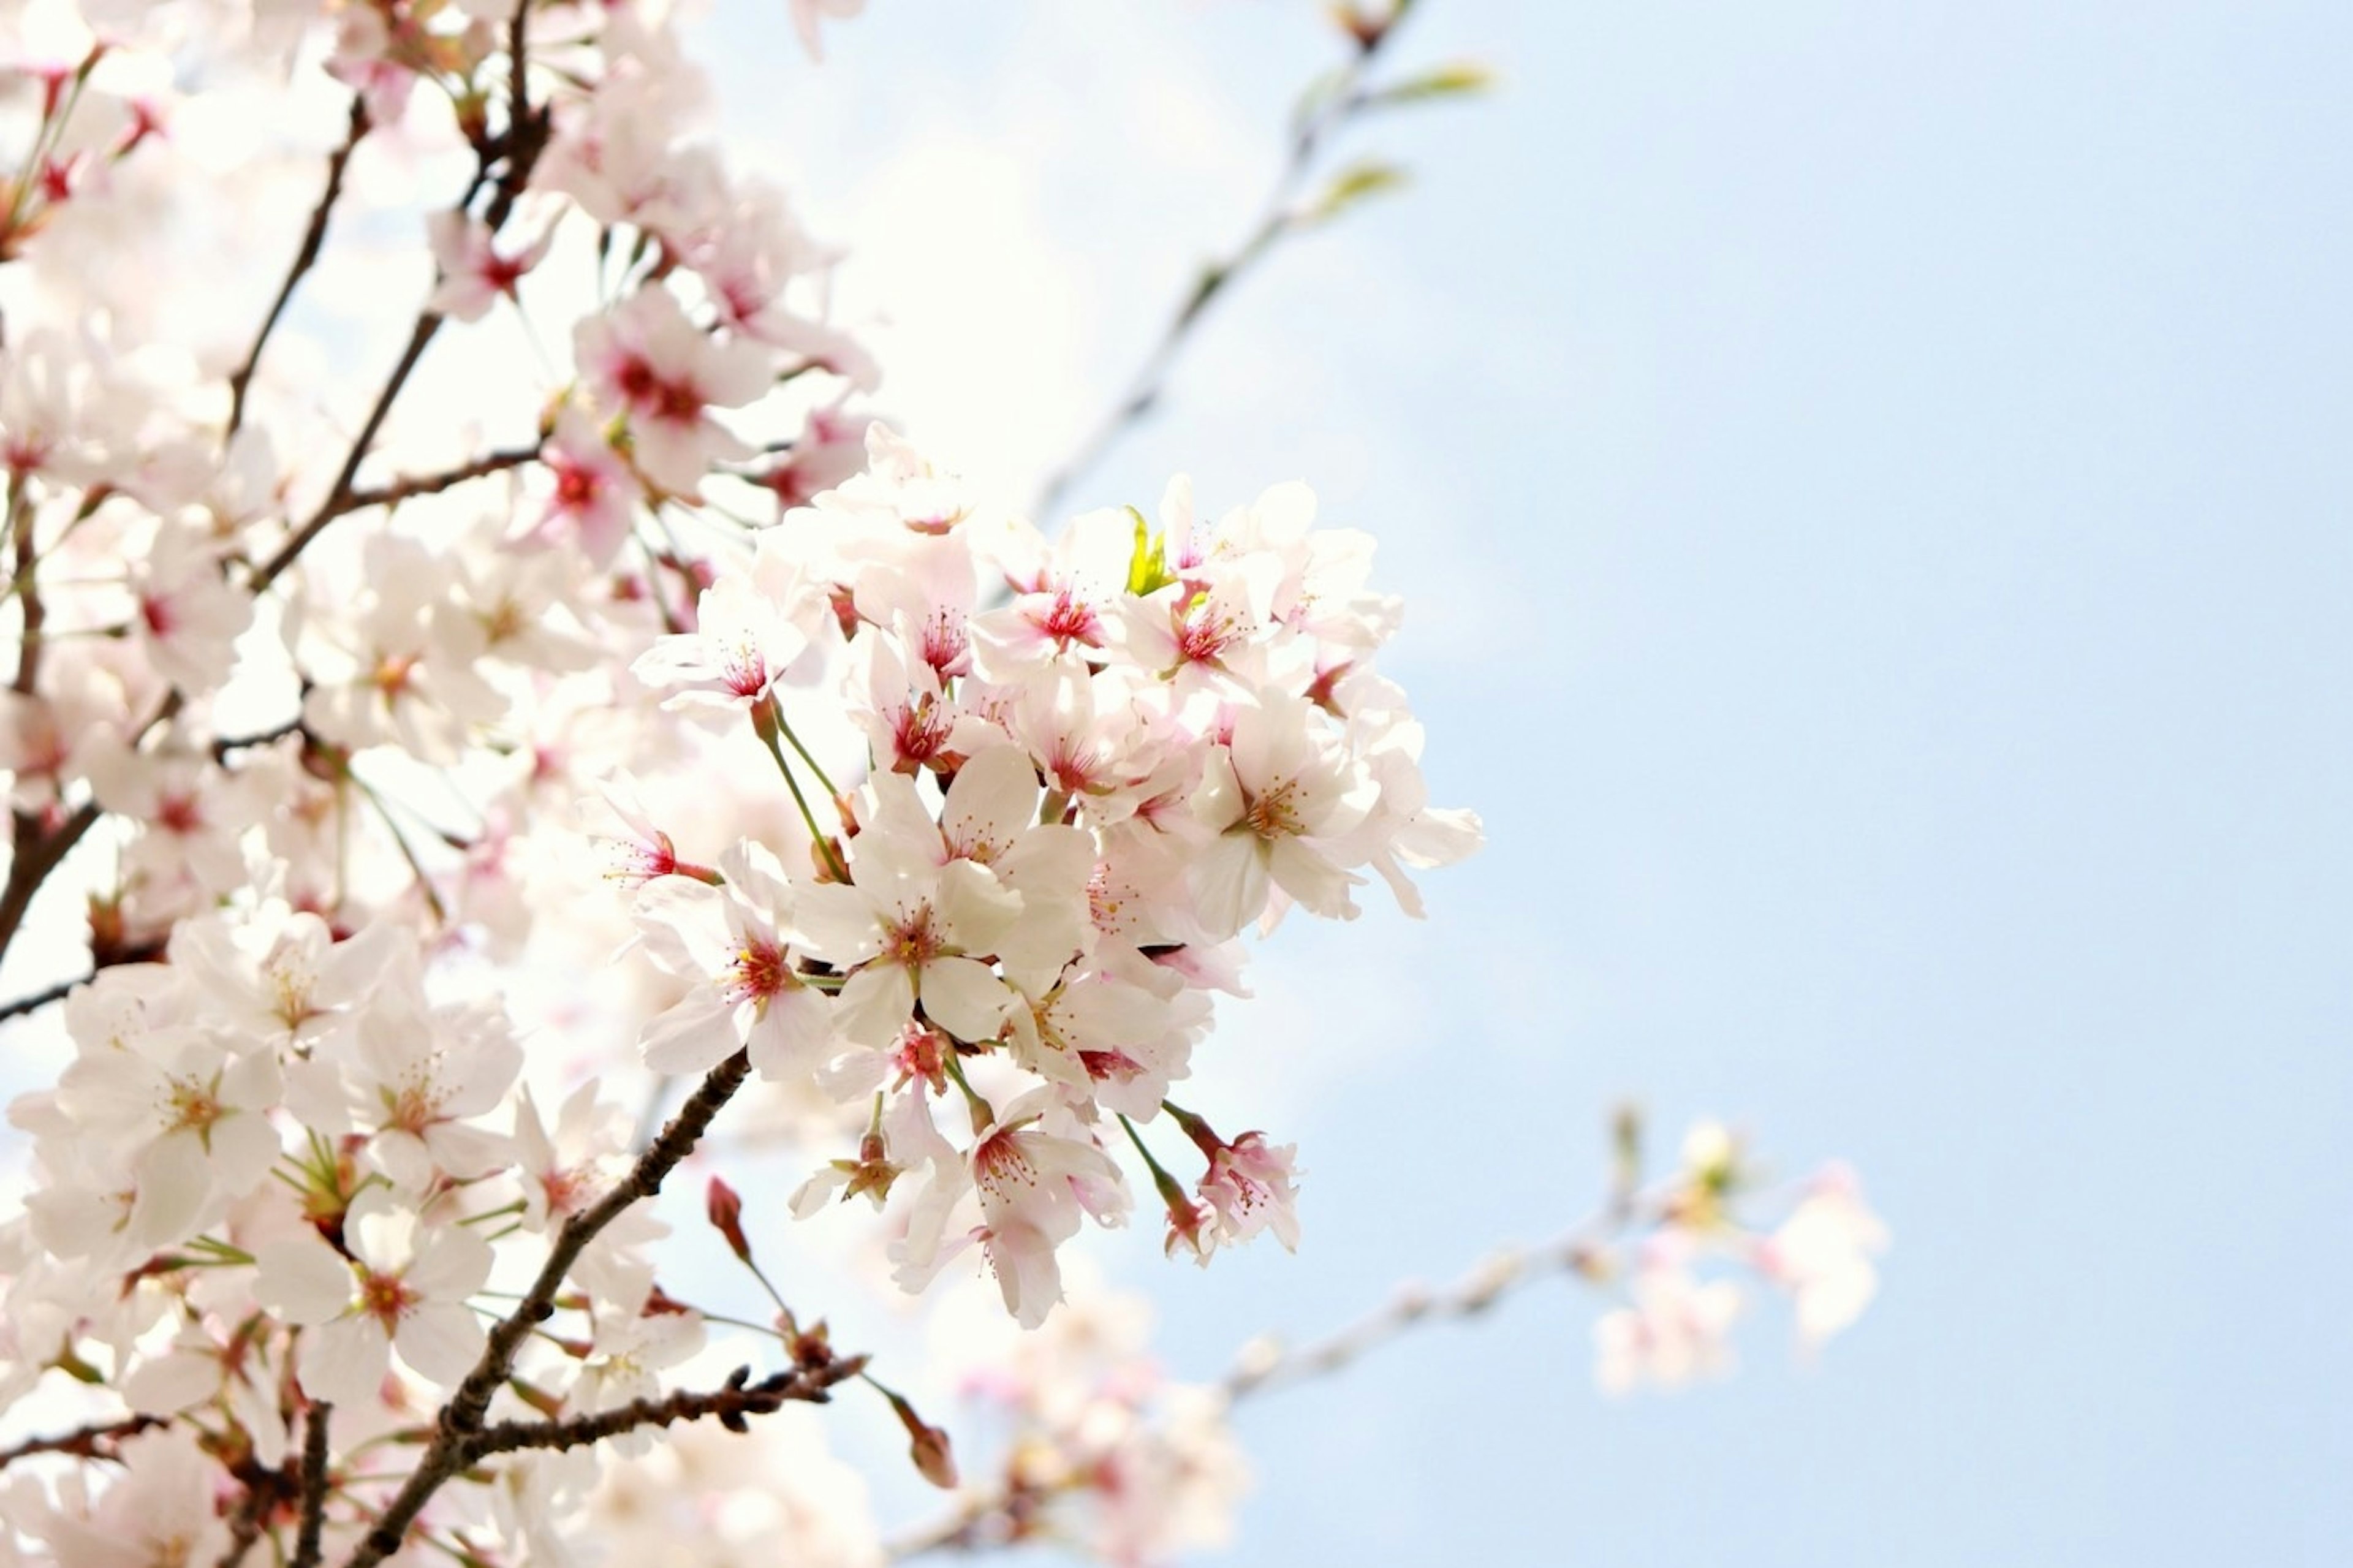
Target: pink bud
point(726, 1212)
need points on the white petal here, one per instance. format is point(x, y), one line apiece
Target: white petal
point(964, 997)
point(344, 1362)
point(440, 1341)
point(302, 1279)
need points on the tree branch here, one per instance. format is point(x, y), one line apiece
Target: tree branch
point(454, 1442)
point(525, 138)
point(43, 998)
point(94, 1442)
point(996, 1517)
point(432, 484)
point(1342, 103)
point(314, 1488)
point(313, 238)
point(35, 855)
point(732, 1405)
point(339, 497)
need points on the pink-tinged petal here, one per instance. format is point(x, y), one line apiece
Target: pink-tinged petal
point(964, 997)
point(1321, 887)
point(171, 1384)
point(244, 1147)
point(343, 1363)
point(465, 1151)
point(1023, 1260)
point(992, 803)
point(440, 1341)
point(302, 1279)
point(736, 373)
point(1229, 882)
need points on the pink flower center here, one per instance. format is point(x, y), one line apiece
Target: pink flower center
point(383, 1298)
point(762, 971)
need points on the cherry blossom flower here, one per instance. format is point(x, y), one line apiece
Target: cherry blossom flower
point(742, 643)
point(188, 616)
point(1280, 795)
point(403, 1288)
point(736, 941)
point(474, 272)
point(910, 929)
point(595, 494)
point(1674, 1329)
point(1822, 1254)
point(647, 361)
point(192, 1119)
point(1249, 1186)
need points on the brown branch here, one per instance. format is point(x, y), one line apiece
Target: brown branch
point(43, 998)
point(313, 238)
point(94, 1442)
point(731, 1405)
point(461, 1428)
point(37, 854)
point(314, 1488)
point(525, 138)
point(338, 498)
point(226, 744)
point(417, 485)
point(244, 1529)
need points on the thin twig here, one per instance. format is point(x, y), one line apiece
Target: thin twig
point(94, 1442)
point(226, 744)
point(454, 1442)
point(43, 998)
point(313, 238)
point(525, 138)
point(432, 484)
point(244, 1529)
point(1263, 1364)
point(339, 497)
point(37, 855)
point(1280, 215)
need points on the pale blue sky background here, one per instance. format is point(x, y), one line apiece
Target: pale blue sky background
point(1872, 481)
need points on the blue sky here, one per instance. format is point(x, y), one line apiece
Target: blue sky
point(1873, 486)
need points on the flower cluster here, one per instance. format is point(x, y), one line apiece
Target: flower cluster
point(1090, 763)
point(1096, 1446)
point(1675, 1323)
point(978, 813)
point(398, 726)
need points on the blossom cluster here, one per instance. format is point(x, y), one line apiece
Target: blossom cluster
point(403, 730)
point(1689, 1261)
point(943, 827)
point(1094, 761)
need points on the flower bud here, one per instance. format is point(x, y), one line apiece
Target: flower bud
point(926, 1444)
point(726, 1212)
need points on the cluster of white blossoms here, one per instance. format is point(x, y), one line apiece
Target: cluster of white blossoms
point(1094, 761)
point(410, 714)
point(322, 681)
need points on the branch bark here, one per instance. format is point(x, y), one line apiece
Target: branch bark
point(456, 1441)
point(314, 238)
